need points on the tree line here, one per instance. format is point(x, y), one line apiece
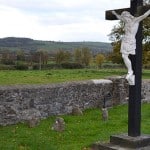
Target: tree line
point(78, 58)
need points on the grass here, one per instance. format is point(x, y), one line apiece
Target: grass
point(57, 76)
point(146, 74)
point(80, 132)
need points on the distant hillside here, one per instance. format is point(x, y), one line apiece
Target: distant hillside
point(27, 44)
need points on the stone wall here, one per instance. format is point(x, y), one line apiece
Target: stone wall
point(146, 90)
point(20, 103)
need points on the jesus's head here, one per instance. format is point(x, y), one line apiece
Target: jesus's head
point(126, 14)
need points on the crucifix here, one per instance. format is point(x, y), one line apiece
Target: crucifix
point(131, 49)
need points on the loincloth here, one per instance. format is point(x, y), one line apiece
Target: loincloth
point(128, 47)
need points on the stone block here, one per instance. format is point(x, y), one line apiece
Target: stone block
point(131, 142)
point(124, 142)
point(59, 124)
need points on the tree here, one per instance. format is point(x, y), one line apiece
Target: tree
point(100, 59)
point(115, 56)
point(62, 56)
point(41, 57)
point(117, 32)
point(86, 56)
point(8, 57)
point(146, 33)
point(82, 56)
point(78, 55)
point(146, 53)
point(67, 56)
point(20, 55)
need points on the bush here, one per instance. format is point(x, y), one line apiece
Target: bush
point(47, 66)
point(72, 66)
point(51, 66)
point(21, 66)
point(58, 66)
point(146, 66)
point(7, 62)
point(7, 67)
point(36, 67)
point(112, 65)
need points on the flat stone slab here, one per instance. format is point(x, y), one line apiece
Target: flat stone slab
point(124, 142)
point(101, 81)
point(132, 142)
point(110, 146)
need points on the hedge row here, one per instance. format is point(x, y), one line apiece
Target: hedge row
point(24, 66)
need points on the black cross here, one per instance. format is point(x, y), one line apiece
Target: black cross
point(134, 108)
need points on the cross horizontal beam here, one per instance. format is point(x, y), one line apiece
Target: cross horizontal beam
point(140, 10)
point(110, 16)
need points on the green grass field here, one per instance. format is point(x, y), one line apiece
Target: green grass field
point(80, 132)
point(59, 75)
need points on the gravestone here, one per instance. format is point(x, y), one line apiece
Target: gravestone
point(33, 122)
point(59, 124)
point(76, 111)
point(104, 114)
point(133, 62)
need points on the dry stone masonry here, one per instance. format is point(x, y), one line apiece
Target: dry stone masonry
point(28, 102)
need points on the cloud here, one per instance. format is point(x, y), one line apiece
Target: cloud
point(65, 20)
point(13, 22)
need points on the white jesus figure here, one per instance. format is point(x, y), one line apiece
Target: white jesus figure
point(128, 44)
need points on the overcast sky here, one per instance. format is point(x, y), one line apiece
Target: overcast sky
point(58, 20)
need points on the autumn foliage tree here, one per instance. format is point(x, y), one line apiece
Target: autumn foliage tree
point(83, 56)
point(146, 41)
point(99, 59)
point(86, 56)
point(8, 57)
point(78, 55)
point(62, 56)
point(20, 55)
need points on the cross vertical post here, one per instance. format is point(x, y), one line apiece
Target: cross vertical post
point(134, 107)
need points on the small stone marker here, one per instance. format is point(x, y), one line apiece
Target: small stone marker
point(31, 117)
point(104, 114)
point(33, 122)
point(76, 111)
point(59, 124)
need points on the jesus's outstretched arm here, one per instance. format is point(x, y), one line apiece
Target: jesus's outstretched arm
point(140, 18)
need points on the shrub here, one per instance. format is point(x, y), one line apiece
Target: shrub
point(51, 66)
point(72, 66)
point(100, 59)
point(146, 66)
point(7, 67)
point(47, 66)
point(21, 66)
point(36, 67)
point(112, 65)
point(7, 62)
